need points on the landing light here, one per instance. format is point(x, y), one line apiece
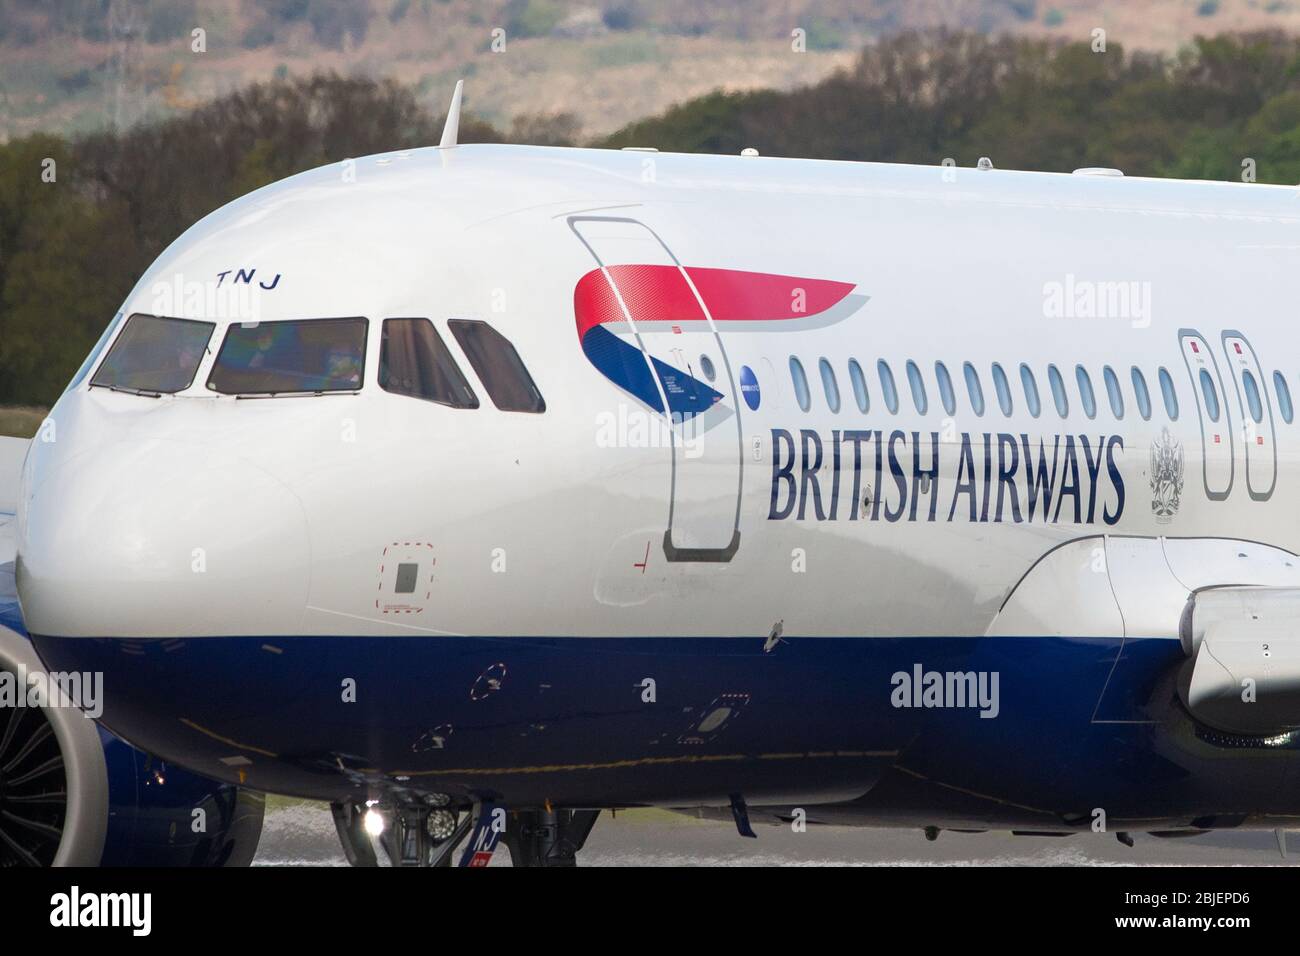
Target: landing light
point(374, 822)
point(441, 824)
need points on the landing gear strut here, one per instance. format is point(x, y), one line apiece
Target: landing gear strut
point(421, 835)
point(548, 837)
point(349, 823)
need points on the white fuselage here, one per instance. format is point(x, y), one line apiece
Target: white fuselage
point(197, 515)
point(539, 523)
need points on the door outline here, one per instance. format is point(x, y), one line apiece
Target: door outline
point(671, 551)
point(1258, 371)
point(1201, 415)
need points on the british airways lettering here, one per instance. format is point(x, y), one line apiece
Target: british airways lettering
point(998, 477)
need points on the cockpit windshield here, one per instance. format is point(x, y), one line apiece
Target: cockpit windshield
point(154, 355)
point(271, 358)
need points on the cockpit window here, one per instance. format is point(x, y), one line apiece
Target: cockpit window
point(95, 352)
point(498, 366)
point(272, 358)
point(154, 355)
point(413, 361)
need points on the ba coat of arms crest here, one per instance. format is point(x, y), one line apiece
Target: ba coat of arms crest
point(1167, 461)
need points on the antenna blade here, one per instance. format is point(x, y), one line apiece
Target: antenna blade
point(452, 127)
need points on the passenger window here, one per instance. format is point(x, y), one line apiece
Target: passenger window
point(918, 387)
point(1252, 396)
point(1003, 388)
point(1059, 396)
point(498, 366)
point(1211, 396)
point(154, 355)
point(946, 394)
point(1141, 393)
point(887, 388)
point(1031, 390)
point(1283, 396)
point(802, 393)
point(706, 366)
point(1086, 395)
point(414, 361)
point(297, 356)
point(859, 386)
point(830, 385)
point(973, 388)
point(1112, 391)
point(1169, 394)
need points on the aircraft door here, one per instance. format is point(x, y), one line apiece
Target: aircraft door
point(1258, 432)
point(690, 384)
point(1218, 436)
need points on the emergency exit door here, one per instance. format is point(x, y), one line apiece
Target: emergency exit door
point(1258, 432)
point(693, 393)
point(1218, 433)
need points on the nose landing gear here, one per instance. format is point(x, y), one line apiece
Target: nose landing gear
point(426, 833)
point(423, 836)
point(413, 833)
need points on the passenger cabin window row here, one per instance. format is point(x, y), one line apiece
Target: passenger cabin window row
point(156, 355)
point(1253, 390)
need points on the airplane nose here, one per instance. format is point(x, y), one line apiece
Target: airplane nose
point(160, 538)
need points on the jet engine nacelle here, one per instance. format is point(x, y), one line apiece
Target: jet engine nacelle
point(72, 794)
point(1245, 645)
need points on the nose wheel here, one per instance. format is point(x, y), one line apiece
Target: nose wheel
point(428, 832)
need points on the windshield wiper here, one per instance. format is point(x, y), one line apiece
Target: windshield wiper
point(300, 393)
point(147, 393)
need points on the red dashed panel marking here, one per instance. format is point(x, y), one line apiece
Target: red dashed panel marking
point(428, 594)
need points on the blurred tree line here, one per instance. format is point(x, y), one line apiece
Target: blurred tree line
point(70, 250)
point(1027, 103)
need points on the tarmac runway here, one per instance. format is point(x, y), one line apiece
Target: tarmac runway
point(299, 833)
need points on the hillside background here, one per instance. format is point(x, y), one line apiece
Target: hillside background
point(72, 66)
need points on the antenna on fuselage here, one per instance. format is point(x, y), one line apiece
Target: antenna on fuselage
point(452, 126)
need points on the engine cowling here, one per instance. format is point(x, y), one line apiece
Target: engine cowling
point(72, 794)
point(1233, 605)
point(1243, 641)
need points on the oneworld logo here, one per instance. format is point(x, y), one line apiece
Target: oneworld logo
point(74, 909)
point(955, 689)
